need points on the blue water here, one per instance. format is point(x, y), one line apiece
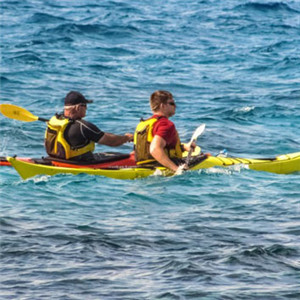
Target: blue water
point(212, 234)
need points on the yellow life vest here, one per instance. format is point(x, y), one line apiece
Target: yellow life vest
point(143, 137)
point(55, 142)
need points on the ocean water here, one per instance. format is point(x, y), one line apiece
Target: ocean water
point(214, 234)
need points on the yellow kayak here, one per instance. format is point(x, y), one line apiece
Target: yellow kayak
point(282, 164)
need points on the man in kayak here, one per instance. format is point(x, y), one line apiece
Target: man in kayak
point(68, 136)
point(156, 139)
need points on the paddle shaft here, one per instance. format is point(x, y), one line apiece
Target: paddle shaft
point(188, 158)
point(42, 119)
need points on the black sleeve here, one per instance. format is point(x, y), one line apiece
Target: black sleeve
point(90, 131)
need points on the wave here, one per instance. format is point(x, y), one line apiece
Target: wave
point(100, 67)
point(274, 47)
point(26, 57)
point(292, 95)
point(8, 4)
point(234, 113)
point(65, 39)
point(289, 62)
point(45, 18)
point(275, 249)
point(115, 31)
point(271, 6)
point(267, 258)
point(117, 51)
point(6, 80)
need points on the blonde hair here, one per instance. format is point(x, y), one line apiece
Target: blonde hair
point(159, 97)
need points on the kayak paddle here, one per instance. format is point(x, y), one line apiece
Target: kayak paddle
point(18, 113)
point(196, 134)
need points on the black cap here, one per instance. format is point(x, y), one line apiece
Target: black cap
point(74, 98)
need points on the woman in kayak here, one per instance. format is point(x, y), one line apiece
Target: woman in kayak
point(156, 139)
point(68, 136)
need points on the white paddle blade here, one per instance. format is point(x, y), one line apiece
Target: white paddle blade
point(198, 132)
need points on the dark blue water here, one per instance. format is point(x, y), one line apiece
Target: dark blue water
point(212, 234)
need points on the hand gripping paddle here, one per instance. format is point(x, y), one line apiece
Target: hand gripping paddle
point(18, 113)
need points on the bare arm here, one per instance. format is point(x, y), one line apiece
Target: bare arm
point(113, 140)
point(157, 151)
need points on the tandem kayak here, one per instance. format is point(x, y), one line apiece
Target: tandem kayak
point(282, 164)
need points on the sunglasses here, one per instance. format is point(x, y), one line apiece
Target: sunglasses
point(171, 103)
point(82, 104)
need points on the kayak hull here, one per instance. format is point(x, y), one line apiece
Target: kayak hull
point(283, 164)
point(27, 170)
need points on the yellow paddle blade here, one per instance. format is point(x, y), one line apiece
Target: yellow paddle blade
point(18, 113)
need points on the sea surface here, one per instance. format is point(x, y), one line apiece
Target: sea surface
point(212, 234)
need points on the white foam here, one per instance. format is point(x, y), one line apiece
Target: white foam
point(42, 178)
point(226, 170)
point(244, 109)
